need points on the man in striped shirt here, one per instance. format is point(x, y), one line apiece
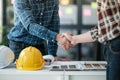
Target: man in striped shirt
point(106, 32)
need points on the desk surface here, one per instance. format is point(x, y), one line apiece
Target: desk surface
point(11, 73)
point(47, 69)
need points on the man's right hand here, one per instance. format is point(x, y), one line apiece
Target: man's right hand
point(72, 39)
point(63, 42)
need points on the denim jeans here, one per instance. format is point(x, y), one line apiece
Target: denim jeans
point(17, 47)
point(112, 52)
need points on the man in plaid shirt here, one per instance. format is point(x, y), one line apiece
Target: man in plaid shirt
point(36, 23)
point(106, 32)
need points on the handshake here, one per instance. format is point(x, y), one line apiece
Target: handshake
point(66, 40)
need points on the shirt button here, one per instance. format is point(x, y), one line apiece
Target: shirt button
point(40, 23)
point(41, 13)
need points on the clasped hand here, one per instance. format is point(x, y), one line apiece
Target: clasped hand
point(66, 40)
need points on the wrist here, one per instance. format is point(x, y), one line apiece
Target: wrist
point(57, 37)
point(76, 39)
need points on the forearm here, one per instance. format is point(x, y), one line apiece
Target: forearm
point(83, 38)
point(42, 32)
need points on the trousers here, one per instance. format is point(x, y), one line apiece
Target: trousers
point(112, 56)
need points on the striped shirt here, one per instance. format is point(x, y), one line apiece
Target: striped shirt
point(35, 22)
point(108, 26)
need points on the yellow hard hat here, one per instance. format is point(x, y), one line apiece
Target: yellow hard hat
point(30, 58)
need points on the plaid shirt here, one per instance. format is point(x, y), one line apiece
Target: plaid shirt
point(36, 22)
point(108, 21)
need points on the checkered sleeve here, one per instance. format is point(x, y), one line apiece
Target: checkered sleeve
point(108, 27)
point(94, 33)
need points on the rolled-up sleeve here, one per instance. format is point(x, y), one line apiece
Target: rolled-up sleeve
point(94, 33)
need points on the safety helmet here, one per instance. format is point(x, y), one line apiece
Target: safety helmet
point(6, 56)
point(30, 58)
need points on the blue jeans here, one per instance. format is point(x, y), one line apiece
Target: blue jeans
point(17, 47)
point(112, 51)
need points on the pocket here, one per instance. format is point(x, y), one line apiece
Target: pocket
point(115, 46)
point(104, 52)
